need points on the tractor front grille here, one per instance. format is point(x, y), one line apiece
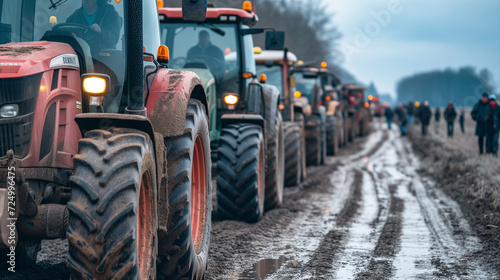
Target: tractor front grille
point(15, 133)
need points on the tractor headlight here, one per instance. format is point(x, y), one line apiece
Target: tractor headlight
point(95, 84)
point(9, 111)
point(231, 99)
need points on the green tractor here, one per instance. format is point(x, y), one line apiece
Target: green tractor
point(276, 65)
point(246, 127)
point(309, 93)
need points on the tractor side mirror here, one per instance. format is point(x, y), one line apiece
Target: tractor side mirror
point(275, 40)
point(194, 10)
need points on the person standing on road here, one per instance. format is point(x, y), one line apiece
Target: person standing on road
point(492, 126)
point(424, 114)
point(450, 115)
point(437, 117)
point(389, 114)
point(411, 111)
point(461, 120)
point(479, 113)
point(402, 118)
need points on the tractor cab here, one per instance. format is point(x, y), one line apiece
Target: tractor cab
point(309, 88)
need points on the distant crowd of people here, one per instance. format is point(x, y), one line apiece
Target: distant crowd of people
point(486, 114)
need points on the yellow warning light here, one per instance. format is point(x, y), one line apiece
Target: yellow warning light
point(297, 94)
point(281, 106)
point(247, 6)
point(328, 98)
point(247, 75)
point(53, 20)
point(370, 97)
point(300, 62)
point(367, 104)
point(417, 104)
point(227, 51)
point(42, 88)
point(323, 64)
point(159, 2)
point(257, 50)
point(118, 1)
point(163, 54)
point(262, 78)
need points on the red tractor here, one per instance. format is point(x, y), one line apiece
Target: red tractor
point(100, 142)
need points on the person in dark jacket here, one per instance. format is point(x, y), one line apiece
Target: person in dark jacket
point(424, 115)
point(479, 113)
point(492, 126)
point(411, 111)
point(461, 120)
point(103, 19)
point(437, 117)
point(389, 114)
point(450, 115)
point(212, 55)
point(402, 118)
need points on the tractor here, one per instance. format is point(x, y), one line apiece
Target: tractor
point(334, 119)
point(309, 93)
point(359, 115)
point(246, 128)
point(275, 66)
point(100, 142)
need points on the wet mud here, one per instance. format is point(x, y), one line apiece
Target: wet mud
point(386, 207)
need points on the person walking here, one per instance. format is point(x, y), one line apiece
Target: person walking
point(492, 126)
point(410, 111)
point(479, 113)
point(389, 114)
point(424, 115)
point(437, 117)
point(402, 118)
point(461, 120)
point(450, 115)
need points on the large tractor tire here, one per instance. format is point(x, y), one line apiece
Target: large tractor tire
point(293, 164)
point(183, 251)
point(112, 230)
point(332, 140)
point(323, 144)
point(299, 119)
point(241, 173)
point(275, 159)
point(314, 141)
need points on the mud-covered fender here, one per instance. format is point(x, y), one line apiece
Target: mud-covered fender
point(271, 100)
point(168, 99)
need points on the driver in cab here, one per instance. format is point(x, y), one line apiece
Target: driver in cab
point(102, 18)
point(205, 49)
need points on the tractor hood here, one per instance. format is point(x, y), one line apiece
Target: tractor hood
point(28, 58)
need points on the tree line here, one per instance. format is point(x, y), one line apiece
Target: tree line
point(463, 86)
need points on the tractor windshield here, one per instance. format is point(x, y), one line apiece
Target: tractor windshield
point(205, 46)
point(93, 28)
point(274, 75)
point(306, 85)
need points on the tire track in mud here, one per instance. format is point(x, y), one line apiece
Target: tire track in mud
point(327, 253)
point(389, 240)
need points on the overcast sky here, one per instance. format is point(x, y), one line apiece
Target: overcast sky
point(385, 40)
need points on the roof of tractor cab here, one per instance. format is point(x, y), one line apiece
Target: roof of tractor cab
point(214, 14)
point(300, 68)
point(275, 56)
point(353, 87)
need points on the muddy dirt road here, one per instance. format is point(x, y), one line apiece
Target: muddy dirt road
point(367, 214)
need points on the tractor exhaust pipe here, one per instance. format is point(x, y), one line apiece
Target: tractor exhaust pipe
point(50, 222)
point(135, 82)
